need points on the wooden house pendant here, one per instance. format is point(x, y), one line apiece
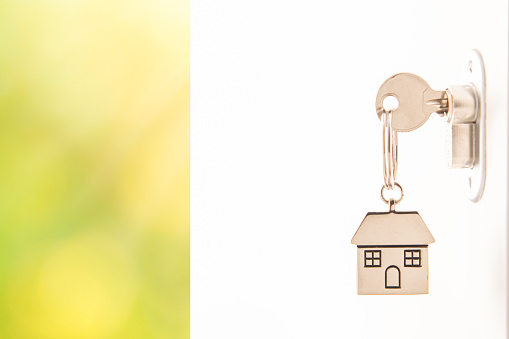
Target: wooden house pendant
point(392, 253)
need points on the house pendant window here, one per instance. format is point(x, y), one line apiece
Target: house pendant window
point(412, 258)
point(372, 258)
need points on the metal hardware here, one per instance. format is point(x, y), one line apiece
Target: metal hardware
point(417, 101)
point(390, 156)
point(467, 126)
point(464, 106)
point(390, 151)
point(391, 201)
point(392, 253)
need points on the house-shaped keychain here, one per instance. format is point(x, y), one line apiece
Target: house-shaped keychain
point(392, 253)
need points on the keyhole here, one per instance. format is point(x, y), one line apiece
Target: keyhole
point(390, 103)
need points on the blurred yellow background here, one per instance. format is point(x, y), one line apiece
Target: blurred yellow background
point(94, 175)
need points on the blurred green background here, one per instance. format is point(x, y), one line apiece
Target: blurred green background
point(94, 175)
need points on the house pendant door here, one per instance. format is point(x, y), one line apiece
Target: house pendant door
point(392, 277)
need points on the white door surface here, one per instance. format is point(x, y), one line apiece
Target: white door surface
point(286, 160)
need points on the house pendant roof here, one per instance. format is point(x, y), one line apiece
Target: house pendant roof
point(392, 228)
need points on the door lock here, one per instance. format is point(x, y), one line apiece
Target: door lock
point(464, 107)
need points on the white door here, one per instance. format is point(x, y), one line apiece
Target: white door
point(286, 161)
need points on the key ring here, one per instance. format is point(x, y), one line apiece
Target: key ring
point(390, 144)
point(391, 201)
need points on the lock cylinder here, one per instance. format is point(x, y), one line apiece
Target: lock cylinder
point(463, 104)
point(461, 130)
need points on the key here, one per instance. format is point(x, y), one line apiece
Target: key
point(416, 101)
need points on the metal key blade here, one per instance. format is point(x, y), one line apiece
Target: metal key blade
point(417, 101)
point(436, 102)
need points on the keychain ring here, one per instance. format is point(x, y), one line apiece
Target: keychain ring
point(390, 150)
point(392, 201)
